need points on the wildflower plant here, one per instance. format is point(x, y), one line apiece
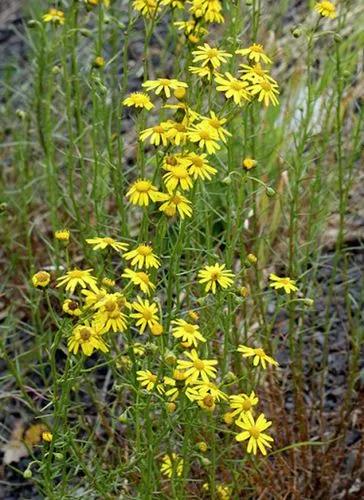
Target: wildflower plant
point(181, 180)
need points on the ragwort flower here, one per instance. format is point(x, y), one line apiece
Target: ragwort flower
point(241, 403)
point(213, 275)
point(41, 279)
point(138, 100)
point(142, 192)
point(255, 53)
point(258, 354)
point(253, 430)
point(164, 86)
point(142, 256)
point(54, 16)
point(78, 277)
point(172, 465)
point(87, 337)
point(233, 88)
point(187, 333)
point(100, 243)
point(197, 368)
point(140, 279)
point(326, 9)
point(286, 283)
point(206, 55)
point(146, 315)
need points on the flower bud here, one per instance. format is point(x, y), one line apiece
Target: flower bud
point(296, 31)
point(170, 358)
point(156, 329)
point(270, 192)
point(27, 474)
point(123, 418)
point(171, 407)
point(180, 93)
point(59, 456)
point(98, 62)
point(202, 446)
point(244, 291)
point(252, 258)
point(308, 302)
point(205, 461)
point(228, 418)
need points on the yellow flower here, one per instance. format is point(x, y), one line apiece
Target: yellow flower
point(147, 379)
point(199, 166)
point(138, 349)
point(216, 274)
point(138, 100)
point(207, 55)
point(249, 163)
point(62, 235)
point(93, 297)
point(255, 53)
point(147, 8)
point(242, 403)
point(47, 436)
point(98, 62)
point(217, 123)
point(41, 279)
point(77, 277)
point(110, 315)
point(140, 279)
point(232, 87)
point(205, 136)
point(326, 9)
point(197, 368)
point(210, 10)
point(146, 315)
point(87, 337)
point(102, 243)
point(173, 203)
point(253, 430)
point(204, 72)
point(143, 256)
point(205, 388)
point(54, 16)
point(287, 284)
point(164, 85)
point(188, 333)
point(191, 29)
point(177, 176)
point(172, 465)
point(255, 73)
point(266, 91)
point(157, 134)
point(142, 192)
point(259, 356)
point(71, 307)
point(177, 133)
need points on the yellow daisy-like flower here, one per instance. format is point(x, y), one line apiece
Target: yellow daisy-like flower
point(62, 235)
point(177, 133)
point(147, 379)
point(242, 403)
point(206, 55)
point(326, 9)
point(146, 315)
point(174, 203)
point(249, 163)
point(204, 72)
point(142, 256)
point(102, 243)
point(71, 307)
point(172, 465)
point(77, 277)
point(147, 8)
point(286, 283)
point(142, 192)
point(210, 10)
point(110, 315)
point(197, 368)
point(253, 430)
point(175, 4)
point(177, 176)
point(255, 53)
point(205, 136)
point(93, 298)
point(205, 388)
point(54, 16)
point(258, 354)
point(199, 166)
point(138, 100)
point(164, 86)
point(215, 275)
point(47, 436)
point(41, 279)
point(233, 88)
point(255, 73)
point(187, 333)
point(217, 123)
point(266, 92)
point(87, 337)
point(140, 279)
point(157, 135)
